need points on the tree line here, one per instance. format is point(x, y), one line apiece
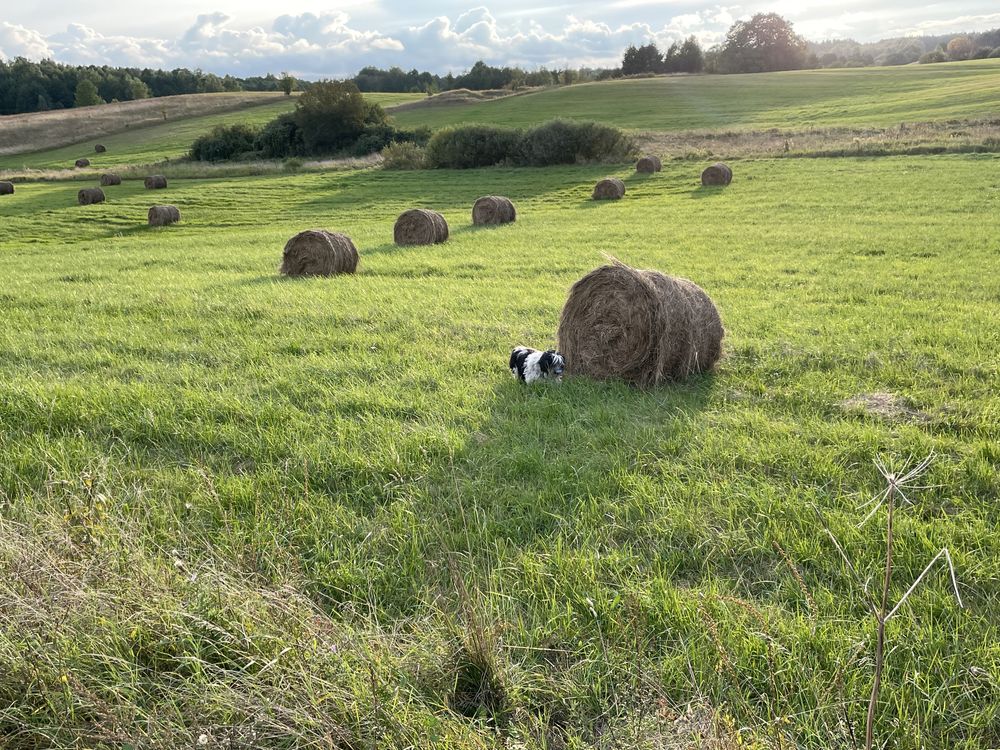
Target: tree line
point(27, 86)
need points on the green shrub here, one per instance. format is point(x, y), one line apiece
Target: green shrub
point(225, 142)
point(471, 146)
point(403, 155)
point(377, 137)
point(293, 164)
point(566, 142)
point(281, 138)
point(995, 52)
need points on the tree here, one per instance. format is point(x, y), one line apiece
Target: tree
point(137, 89)
point(766, 42)
point(689, 58)
point(86, 94)
point(960, 48)
point(645, 59)
point(332, 114)
point(287, 84)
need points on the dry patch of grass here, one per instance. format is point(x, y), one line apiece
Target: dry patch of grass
point(21, 134)
point(461, 96)
point(953, 136)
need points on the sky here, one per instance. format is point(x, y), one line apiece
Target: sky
point(316, 40)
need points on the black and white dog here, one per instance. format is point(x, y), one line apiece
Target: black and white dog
point(529, 365)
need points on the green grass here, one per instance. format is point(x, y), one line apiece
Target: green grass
point(314, 513)
point(170, 140)
point(796, 99)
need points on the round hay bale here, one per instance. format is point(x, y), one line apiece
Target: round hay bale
point(717, 174)
point(99, 148)
point(639, 326)
point(110, 179)
point(493, 209)
point(88, 196)
point(160, 216)
point(610, 188)
point(155, 182)
point(316, 252)
point(419, 226)
point(6, 188)
point(81, 163)
point(648, 164)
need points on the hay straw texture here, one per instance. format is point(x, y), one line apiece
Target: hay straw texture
point(155, 182)
point(80, 163)
point(610, 188)
point(649, 164)
point(99, 148)
point(493, 209)
point(717, 174)
point(316, 252)
point(639, 326)
point(419, 226)
point(90, 195)
point(6, 188)
point(110, 179)
point(160, 216)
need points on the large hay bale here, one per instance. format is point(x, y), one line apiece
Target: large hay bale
point(6, 188)
point(81, 163)
point(88, 196)
point(99, 148)
point(160, 216)
point(316, 252)
point(419, 226)
point(717, 174)
point(640, 326)
point(110, 179)
point(649, 164)
point(155, 182)
point(610, 188)
point(493, 209)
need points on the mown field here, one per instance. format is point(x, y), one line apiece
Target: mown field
point(170, 140)
point(794, 99)
point(259, 512)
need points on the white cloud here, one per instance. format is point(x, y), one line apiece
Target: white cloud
point(17, 41)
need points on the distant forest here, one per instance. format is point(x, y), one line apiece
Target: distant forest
point(27, 86)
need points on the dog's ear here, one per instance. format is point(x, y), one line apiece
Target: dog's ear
point(546, 361)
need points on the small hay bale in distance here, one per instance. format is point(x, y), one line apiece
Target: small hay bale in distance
point(420, 226)
point(155, 182)
point(610, 188)
point(493, 209)
point(643, 327)
point(160, 216)
point(718, 174)
point(317, 252)
point(99, 148)
point(81, 163)
point(88, 196)
point(648, 165)
point(110, 179)
point(6, 188)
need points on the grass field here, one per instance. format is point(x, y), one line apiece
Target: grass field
point(795, 99)
point(155, 143)
point(320, 513)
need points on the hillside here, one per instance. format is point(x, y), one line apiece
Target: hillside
point(862, 96)
point(140, 134)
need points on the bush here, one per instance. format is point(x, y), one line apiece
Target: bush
point(471, 146)
point(403, 155)
point(937, 56)
point(281, 138)
point(564, 142)
point(377, 137)
point(995, 52)
point(225, 142)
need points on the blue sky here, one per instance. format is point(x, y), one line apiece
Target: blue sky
point(246, 37)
